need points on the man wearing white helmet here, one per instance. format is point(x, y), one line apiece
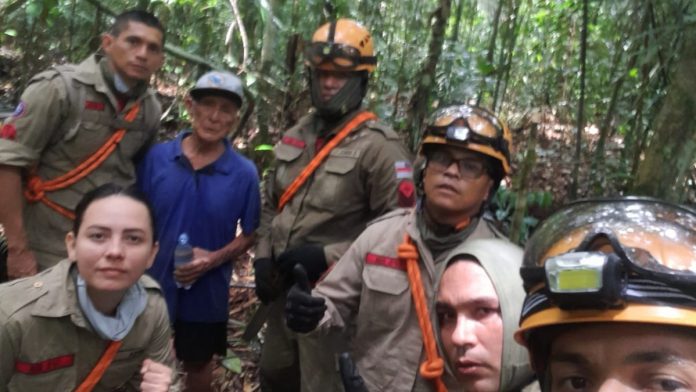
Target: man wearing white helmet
point(201, 189)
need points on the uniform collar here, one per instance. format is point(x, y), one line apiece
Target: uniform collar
point(220, 165)
point(89, 72)
point(61, 298)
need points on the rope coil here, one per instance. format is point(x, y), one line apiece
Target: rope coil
point(433, 367)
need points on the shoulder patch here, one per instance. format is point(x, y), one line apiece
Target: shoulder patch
point(386, 130)
point(399, 212)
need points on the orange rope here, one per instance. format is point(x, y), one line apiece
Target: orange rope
point(319, 158)
point(433, 366)
point(98, 370)
point(36, 188)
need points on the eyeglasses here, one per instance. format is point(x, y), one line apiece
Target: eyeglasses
point(469, 167)
point(640, 250)
point(344, 57)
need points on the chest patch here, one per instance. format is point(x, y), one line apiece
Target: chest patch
point(293, 142)
point(45, 366)
point(93, 105)
point(384, 261)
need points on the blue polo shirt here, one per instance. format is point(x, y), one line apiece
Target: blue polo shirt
point(207, 204)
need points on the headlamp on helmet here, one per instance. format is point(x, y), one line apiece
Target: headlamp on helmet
point(611, 260)
point(472, 128)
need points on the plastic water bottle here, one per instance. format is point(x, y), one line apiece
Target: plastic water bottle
point(183, 254)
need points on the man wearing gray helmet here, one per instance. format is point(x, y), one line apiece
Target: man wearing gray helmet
point(201, 189)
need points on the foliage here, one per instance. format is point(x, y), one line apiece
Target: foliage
point(503, 209)
point(515, 56)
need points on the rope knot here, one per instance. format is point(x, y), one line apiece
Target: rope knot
point(407, 250)
point(432, 368)
point(35, 190)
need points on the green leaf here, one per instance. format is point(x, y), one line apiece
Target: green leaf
point(233, 364)
point(484, 66)
point(264, 147)
point(11, 32)
point(633, 73)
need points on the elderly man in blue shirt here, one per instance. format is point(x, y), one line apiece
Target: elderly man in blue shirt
point(201, 187)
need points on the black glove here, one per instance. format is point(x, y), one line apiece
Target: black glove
point(266, 289)
point(302, 311)
point(311, 257)
point(352, 382)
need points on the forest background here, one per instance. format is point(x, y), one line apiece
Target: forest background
point(622, 72)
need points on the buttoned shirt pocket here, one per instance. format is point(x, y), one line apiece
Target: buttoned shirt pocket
point(289, 166)
point(385, 297)
point(336, 182)
point(86, 136)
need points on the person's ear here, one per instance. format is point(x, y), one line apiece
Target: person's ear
point(107, 40)
point(151, 260)
point(188, 103)
point(70, 245)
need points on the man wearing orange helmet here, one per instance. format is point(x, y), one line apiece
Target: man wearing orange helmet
point(611, 304)
point(385, 285)
point(337, 169)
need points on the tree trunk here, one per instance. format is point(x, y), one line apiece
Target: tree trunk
point(418, 106)
point(491, 48)
point(597, 166)
point(519, 185)
point(266, 101)
point(573, 193)
point(672, 150)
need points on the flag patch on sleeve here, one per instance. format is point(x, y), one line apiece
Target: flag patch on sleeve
point(403, 169)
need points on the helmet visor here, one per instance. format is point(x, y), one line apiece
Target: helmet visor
point(601, 253)
point(464, 124)
point(343, 57)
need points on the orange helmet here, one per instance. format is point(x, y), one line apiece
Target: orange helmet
point(610, 260)
point(342, 45)
point(473, 128)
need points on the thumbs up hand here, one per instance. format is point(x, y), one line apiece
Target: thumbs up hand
point(303, 311)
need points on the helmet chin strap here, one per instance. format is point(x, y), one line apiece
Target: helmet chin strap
point(346, 100)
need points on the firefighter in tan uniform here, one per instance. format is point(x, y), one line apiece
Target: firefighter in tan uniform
point(403, 254)
point(76, 127)
point(93, 319)
point(336, 170)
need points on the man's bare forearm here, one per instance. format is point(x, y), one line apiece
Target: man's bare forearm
point(11, 206)
point(234, 249)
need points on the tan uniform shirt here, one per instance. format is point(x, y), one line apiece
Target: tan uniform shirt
point(41, 325)
point(369, 288)
point(366, 175)
point(63, 118)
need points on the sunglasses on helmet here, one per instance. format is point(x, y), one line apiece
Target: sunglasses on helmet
point(342, 56)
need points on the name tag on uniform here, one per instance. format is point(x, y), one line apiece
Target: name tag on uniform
point(45, 366)
point(345, 152)
point(384, 261)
